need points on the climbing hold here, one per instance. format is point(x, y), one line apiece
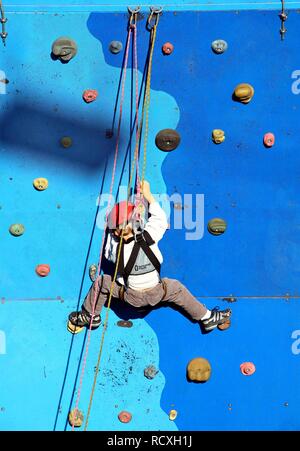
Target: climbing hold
point(243, 93)
point(115, 47)
point(230, 299)
point(66, 141)
point(124, 323)
point(199, 370)
point(93, 272)
point(225, 325)
point(167, 139)
point(150, 372)
point(216, 226)
point(173, 414)
point(42, 270)
point(125, 417)
point(219, 46)
point(74, 329)
point(89, 95)
point(64, 48)
point(76, 418)
point(17, 229)
point(167, 48)
point(247, 368)
point(40, 184)
point(218, 136)
point(269, 139)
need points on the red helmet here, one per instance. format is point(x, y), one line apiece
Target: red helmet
point(120, 214)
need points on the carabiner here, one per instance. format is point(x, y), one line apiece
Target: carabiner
point(133, 14)
point(133, 11)
point(154, 10)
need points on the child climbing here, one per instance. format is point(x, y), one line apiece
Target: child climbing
point(138, 281)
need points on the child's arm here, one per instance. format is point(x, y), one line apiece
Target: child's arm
point(157, 223)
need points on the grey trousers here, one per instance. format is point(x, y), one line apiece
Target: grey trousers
point(172, 292)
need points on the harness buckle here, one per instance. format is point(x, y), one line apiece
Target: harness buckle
point(139, 237)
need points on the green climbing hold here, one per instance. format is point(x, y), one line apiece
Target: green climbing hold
point(17, 229)
point(66, 141)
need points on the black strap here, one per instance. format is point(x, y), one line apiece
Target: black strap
point(142, 240)
point(131, 261)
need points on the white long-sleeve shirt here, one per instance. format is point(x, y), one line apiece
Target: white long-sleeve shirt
point(156, 227)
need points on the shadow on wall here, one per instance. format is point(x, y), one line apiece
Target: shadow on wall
point(26, 129)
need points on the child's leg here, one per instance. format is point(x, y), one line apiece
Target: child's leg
point(98, 293)
point(102, 285)
point(177, 293)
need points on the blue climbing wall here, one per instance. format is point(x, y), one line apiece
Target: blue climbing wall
point(254, 189)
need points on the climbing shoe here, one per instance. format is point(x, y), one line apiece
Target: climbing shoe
point(216, 318)
point(78, 320)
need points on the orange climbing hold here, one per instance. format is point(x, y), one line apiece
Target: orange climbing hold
point(225, 325)
point(42, 270)
point(167, 48)
point(247, 368)
point(124, 416)
point(89, 95)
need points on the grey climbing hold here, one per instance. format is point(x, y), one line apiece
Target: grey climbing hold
point(150, 372)
point(124, 323)
point(93, 272)
point(64, 48)
point(219, 46)
point(115, 47)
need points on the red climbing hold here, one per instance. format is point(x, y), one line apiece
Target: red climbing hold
point(42, 270)
point(89, 95)
point(125, 417)
point(167, 48)
point(247, 368)
point(269, 139)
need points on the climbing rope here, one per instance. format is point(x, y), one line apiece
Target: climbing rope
point(135, 162)
point(3, 21)
point(130, 29)
point(153, 29)
point(139, 206)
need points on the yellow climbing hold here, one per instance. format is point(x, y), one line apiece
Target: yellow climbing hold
point(244, 92)
point(40, 184)
point(173, 414)
point(218, 136)
point(76, 418)
point(74, 329)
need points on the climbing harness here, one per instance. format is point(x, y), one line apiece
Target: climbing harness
point(283, 17)
point(142, 259)
point(3, 21)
